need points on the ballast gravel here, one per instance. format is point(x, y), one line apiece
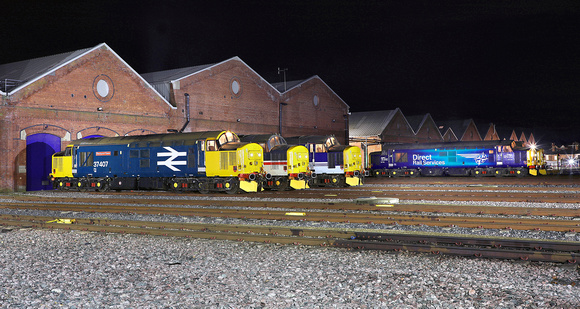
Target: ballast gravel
point(72, 269)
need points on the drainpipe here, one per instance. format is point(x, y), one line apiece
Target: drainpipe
point(186, 112)
point(280, 117)
point(346, 132)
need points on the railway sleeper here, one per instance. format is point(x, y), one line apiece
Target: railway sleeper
point(536, 245)
point(487, 252)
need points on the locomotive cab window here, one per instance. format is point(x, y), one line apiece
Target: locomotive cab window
point(227, 137)
point(211, 145)
point(320, 148)
point(331, 141)
point(401, 157)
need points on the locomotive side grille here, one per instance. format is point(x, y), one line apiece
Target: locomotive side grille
point(227, 158)
point(57, 164)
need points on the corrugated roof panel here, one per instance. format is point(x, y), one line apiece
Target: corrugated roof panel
point(23, 71)
point(369, 123)
point(175, 74)
point(163, 89)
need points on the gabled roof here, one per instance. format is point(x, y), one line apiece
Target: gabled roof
point(506, 133)
point(298, 83)
point(162, 79)
point(451, 133)
point(459, 127)
point(175, 74)
point(363, 124)
point(416, 122)
point(23, 73)
point(289, 85)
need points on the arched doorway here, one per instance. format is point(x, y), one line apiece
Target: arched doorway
point(39, 150)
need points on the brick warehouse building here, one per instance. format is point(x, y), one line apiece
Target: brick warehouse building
point(48, 102)
point(230, 95)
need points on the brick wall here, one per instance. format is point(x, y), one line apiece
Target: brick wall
point(66, 103)
point(98, 94)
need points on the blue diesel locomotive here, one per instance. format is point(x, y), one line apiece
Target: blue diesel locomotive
point(331, 164)
point(200, 161)
point(485, 158)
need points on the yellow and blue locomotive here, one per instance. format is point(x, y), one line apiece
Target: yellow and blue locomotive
point(331, 164)
point(214, 161)
point(286, 166)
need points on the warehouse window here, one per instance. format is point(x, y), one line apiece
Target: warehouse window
point(236, 87)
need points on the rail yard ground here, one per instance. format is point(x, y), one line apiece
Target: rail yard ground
point(68, 267)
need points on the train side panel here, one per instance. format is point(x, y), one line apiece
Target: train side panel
point(175, 162)
point(457, 159)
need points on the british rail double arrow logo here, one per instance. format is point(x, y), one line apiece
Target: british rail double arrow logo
point(172, 154)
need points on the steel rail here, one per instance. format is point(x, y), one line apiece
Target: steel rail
point(341, 217)
point(492, 253)
point(319, 237)
point(365, 204)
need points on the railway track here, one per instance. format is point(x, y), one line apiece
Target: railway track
point(374, 217)
point(370, 205)
point(477, 247)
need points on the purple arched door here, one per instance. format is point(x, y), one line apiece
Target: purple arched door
point(39, 150)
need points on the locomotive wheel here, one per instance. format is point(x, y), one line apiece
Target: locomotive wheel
point(232, 186)
point(102, 185)
point(81, 185)
point(61, 185)
point(202, 187)
point(476, 173)
point(174, 185)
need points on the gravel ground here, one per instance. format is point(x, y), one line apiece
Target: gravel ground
point(71, 269)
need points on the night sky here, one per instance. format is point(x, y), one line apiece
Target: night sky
point(513, 63)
